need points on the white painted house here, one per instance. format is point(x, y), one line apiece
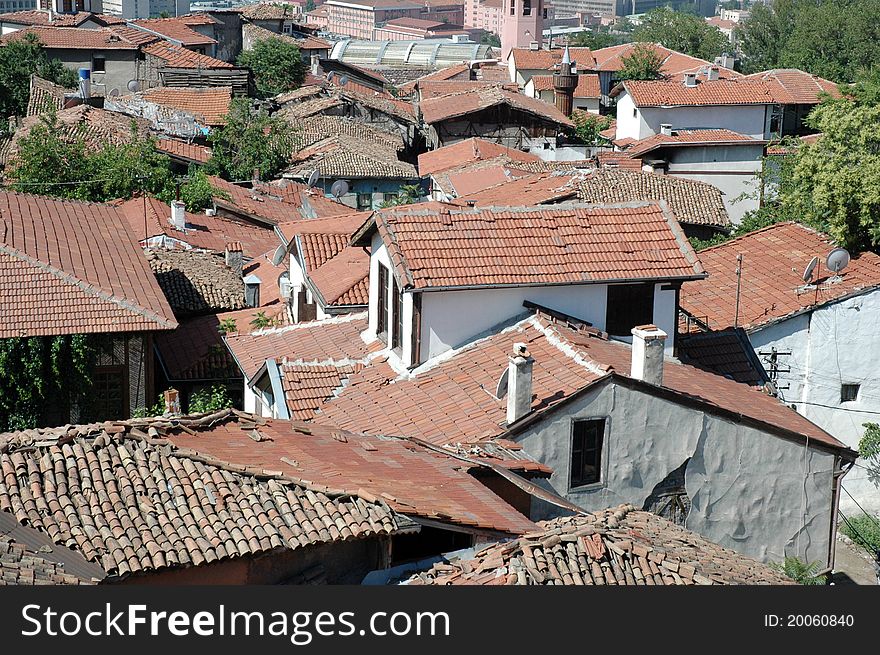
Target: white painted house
point(816, 340)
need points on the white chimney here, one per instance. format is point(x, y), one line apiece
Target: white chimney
point(519, 383)
point(648, 344)
point(666, 129)
point(178, 214)
point(713, 74)
point(690, 79)
point(316, 65)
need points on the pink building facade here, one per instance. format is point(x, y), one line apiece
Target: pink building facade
point(360, 19)
point(522, 24)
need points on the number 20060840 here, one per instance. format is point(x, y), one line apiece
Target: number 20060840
point(809, 620)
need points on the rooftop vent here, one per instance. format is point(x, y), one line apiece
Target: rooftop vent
point(666, 129)
point(178, 214)
point(690, 79)
point(713, 74)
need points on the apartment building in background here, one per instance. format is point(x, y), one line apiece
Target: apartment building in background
point(360, 18)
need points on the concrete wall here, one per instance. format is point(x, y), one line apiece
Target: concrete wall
point(833, 345)
point(748, 489)
point(443, 326)
point(120, 67)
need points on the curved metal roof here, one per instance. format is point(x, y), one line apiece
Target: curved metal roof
point(424, 53)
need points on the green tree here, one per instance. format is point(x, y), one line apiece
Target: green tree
point(408, 195)
point(588, 126)
point(643, 63)
point(261, 321)
point(209, 399)
point(19, 59)
point(250, 140)
point(277, 66)
point(196, 191)
point(864, 530)
point(310, 5)
point(683, 32)
point(593, 39)
point(799, 571)
point(490, 38)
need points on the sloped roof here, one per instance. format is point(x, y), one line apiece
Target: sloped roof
point(725, 352)
point(772, 288)
point(38, 17)
point(343, 156)
point(722, 92)
point(174, 29)
point(587, 87)
point(79, 259)
point(210, 104)
point(467, 150)
point(412, 479)
point(182, 150)
point(438, 88)
point(196, 282)
point(195, 350)
point(209, 510)
point(450, 72)
point(256, 202)
point(617, 546)
point(45, 96)
point(561, 244)
point(176, 56)
point(310, 130)
point(690, 138)
point(526, 59)
point(75, 38)
point(534, 189)
point(435, 110)
point(791, 86)
point(691, 201)
point(673, 63)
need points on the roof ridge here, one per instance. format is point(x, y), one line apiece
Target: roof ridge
point(558, 341)
point(767, 229)
point(88, 287)
point(344, 318)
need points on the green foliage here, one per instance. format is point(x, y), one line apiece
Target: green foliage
point(643, 63)
point(588, 126)
point(54, 164)
point(250, 140)
point(594, 39)
point(864, 531)
point(702, 244)
point(19, 59)
point(490, 38)
point(156, 410)
point(831, 38)
point(196, 191)
point(227, 326)
point(261, 321)
point(408, 195)
point(681, 31)
point(800, 571)
point(310, 5)
point(43, 374)
point(209, 399)
point(869, 445)
point(277, 66)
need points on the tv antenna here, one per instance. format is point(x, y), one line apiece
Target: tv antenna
point(339, 189)
point(114, 93)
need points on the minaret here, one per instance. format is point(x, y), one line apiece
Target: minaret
point(564, 84)
point(522, 23)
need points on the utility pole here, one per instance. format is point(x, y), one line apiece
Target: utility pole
point(772, 358)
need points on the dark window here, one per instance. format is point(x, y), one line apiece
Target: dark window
point(628, 305)
point(364, 201)
point(382, 310)
point(545, 13)
point(513, 7)
point(527, 7)
point(849, 392)
point(586, 451)
point(99, 64)
point(397, 325)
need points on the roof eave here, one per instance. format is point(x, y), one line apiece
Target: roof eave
point(658, 280)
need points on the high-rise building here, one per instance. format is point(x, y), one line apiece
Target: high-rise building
point(131, 9)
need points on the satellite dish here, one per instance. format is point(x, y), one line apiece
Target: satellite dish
point(114, 93)
point(133, 86)
point(339, 188)
point(313, 178)
point(808, 271)
point(343, 80)
point(330, 76)
point(501, 389)
point(278, 257)
point(837, 260)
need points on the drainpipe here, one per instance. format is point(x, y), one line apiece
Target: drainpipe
point(835, 503)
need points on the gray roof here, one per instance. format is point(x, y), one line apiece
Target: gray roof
point(424, 53)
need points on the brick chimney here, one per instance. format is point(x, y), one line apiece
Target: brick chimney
point(648, 344)
point(172, 401)
point(234, 257)
point(519, 383)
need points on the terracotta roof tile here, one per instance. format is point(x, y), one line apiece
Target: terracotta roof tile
point(343, 156)
point(588, 85)
point(182, 150)
point(726, 352)
point(467, 150)
point(526, 59)
point(459, 71)
point(312, 129)
point(618, 160)
point(534, 245)
point(190, 509)
point(774, 259)
point(195, 350)
point(536, 189)
point(673, 63)
point(210, 105)
point(345, 274)
point(790, 86)
point(435, 110)
point(196, 282)
point(74, 38)
point(176, 56)
point(45, 96)
point(685, 138)
point(38, 17)
point(256, 202)
point(174, 29)
point(81, 260)
point(723, 92)
point(617, 546)
point(438, 88)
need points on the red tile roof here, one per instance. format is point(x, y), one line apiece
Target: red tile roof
point(459, 71)
point(203, 231)
point(622, 160)
point(413, 479)
point(564, 244)
point(674, 63)
point(446, 401)
point(182, 150)
point(338, 230)
point(438, 88)
point(477, 177)
point(344, 275)
point(525, 59)
point(790, 86)
point(772, 288)
point(210, 105)
point(467, 150)
point(79, 259)
point(435, 110)
point(536, 189)
point(175, 29)
point(75, 38)
point(588, 85)
point(314, 341)
point(195, 350)
point(684, 138)
point(617, 546)
point(269, 207)
point(673, 93)
point(176, 56)
point(308, 386)
point(59, 20)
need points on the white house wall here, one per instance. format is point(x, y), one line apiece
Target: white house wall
point(747, 487)
point(452, 318)
point(833, 345)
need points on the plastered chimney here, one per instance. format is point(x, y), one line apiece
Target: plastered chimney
point(519, 383)
point(690, 79)
point(648, 344)
point(234, 257)
point(666, 129)
point(178, 214)
point(713, 74)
